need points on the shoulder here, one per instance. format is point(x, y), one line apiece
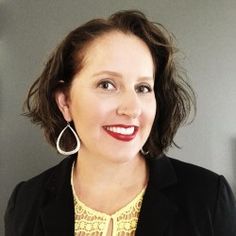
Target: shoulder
point(196, 182)
point(36, 183)
point(29, 196)
point(185, 175)
point(203, 197)
point(205, 192)
point(200, 181)
point(193, 174)
point(190, 185)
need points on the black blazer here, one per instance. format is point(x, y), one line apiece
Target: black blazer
point(180, 200)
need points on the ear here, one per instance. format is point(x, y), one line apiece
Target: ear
point(63, 105)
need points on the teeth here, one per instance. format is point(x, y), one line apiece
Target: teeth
point(121, 130)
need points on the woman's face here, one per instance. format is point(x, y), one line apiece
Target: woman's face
point(111, 100)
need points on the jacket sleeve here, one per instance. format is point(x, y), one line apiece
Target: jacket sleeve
point(9, 217)
point(225, 211)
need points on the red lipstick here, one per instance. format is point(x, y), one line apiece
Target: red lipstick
point(123, 133)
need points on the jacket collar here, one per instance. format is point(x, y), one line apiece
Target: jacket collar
point(156, 212)
point(58, 216)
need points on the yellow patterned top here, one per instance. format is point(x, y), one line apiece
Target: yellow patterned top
point(92, 222)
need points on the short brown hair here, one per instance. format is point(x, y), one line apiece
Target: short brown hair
point(174, 96)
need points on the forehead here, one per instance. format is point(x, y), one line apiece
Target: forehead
point(119, 50)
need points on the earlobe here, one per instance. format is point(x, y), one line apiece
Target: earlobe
point(62, 103)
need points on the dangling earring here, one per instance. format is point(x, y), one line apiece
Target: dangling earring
point(144, 152)
point(76, 149)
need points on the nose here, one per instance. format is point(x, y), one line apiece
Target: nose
point(129, 105)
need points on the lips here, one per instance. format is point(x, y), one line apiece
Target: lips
point(124, 133)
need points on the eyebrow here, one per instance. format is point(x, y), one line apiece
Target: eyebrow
point(116, 74)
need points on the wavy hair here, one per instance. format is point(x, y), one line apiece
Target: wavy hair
point(175, 98)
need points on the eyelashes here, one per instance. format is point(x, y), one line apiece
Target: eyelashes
point(143, 88)
point(108, 85)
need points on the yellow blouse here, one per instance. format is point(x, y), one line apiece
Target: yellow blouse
point(91, 222)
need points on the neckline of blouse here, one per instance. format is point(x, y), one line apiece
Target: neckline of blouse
point(123, 209)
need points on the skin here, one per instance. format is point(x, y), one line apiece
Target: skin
point(114, 87)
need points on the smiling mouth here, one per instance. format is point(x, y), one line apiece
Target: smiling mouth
point(124, 133)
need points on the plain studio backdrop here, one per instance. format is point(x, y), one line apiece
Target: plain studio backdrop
point(205, 32)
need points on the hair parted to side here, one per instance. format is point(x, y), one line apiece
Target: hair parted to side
point(175, 98)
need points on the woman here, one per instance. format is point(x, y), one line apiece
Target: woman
point(112, 99)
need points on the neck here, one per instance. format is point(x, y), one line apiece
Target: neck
point(104, 173)
point(107, 185)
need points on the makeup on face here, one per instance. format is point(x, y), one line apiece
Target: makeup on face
point(112, 102)
point(121, 132)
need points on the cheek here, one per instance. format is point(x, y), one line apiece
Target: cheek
point(150, 111)
point(147, 118)
point(91, 111)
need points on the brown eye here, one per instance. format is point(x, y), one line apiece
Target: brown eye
point(143, 89)
point(106, 85)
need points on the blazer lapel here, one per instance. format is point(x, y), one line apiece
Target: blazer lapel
point(58, 216)
point(157, 210)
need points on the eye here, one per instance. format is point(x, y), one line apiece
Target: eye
point(106, 85)
point(143, 88)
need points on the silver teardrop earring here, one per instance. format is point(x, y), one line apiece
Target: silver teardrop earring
point(144, 152)
point(76, 149)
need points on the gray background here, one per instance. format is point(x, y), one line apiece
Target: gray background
point(205, 33)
